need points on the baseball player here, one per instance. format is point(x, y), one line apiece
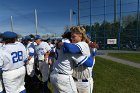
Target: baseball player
point(13, 57)
point(83, 61)
point(30, 51)
point(82, 72)
point(1, 83)
point(90, 72)
point(61, 77)
point(43, 49)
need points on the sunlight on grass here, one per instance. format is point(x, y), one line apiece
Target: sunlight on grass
point(112, 77)
point(134, 57)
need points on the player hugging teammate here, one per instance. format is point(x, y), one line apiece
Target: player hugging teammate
point(73, 69)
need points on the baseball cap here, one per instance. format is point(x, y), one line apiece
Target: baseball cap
point(9, 34)
point(27, 38)
point(37, 37)
point(49, 40)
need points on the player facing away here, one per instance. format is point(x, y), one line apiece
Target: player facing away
point(1, 83)
point(43, 50)
point(12, 60)
point(30, 53)
point(61, 76)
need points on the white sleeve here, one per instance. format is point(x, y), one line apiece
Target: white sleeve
point(31, 50)
point(25, 55)
point(80, 59)
point(47, 47)
point(1, 59)
point(84, 48)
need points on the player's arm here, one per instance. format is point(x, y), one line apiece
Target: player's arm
point(48, 57)
point(86, 61)
point(75, 49)
point(25, 55)
point(94, 53)
point(71, 48)
point(47, 53)
point(78, 49)
point(31, 54)
point(1, 61)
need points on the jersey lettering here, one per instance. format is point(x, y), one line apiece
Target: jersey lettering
point(17, 56)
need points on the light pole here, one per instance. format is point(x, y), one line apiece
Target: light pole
point(78, 12)
point(90, 19)
point(36, 22)
point(114, 11)
point(71, 17)
point(138, 23)
point(120, 29)
point(11, 20)
point(104, 23)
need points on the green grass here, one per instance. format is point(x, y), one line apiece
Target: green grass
point(134, 57)
point(50, 87)
point(112, 77)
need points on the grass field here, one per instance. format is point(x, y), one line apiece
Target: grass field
point(112, 77)
point(135, 57)
point(109, 77)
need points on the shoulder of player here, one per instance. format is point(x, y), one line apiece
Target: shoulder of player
point(82, 44)
point(19, 43)
point(44, 43)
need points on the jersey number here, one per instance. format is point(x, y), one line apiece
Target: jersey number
point(17, 56)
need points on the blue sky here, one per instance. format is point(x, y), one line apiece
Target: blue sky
point(53, 15)
point(128, 7)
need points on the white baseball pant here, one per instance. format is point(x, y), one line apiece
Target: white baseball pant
point(84, 86)
point(62, 83)
point(30, 68)
point(14, 80)
point(1, 83)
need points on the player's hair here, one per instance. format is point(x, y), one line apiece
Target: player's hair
point(67, 35)
point(81, 31)
point(9, 40)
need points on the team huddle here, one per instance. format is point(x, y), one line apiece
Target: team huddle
point(67, 64)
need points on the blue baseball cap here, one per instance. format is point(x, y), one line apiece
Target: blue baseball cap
point(37, 37)
point(9, 34)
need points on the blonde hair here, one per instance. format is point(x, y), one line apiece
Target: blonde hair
point(77, 29)
point(81, 31)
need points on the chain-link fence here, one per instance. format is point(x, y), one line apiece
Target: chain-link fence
point(112, 19)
